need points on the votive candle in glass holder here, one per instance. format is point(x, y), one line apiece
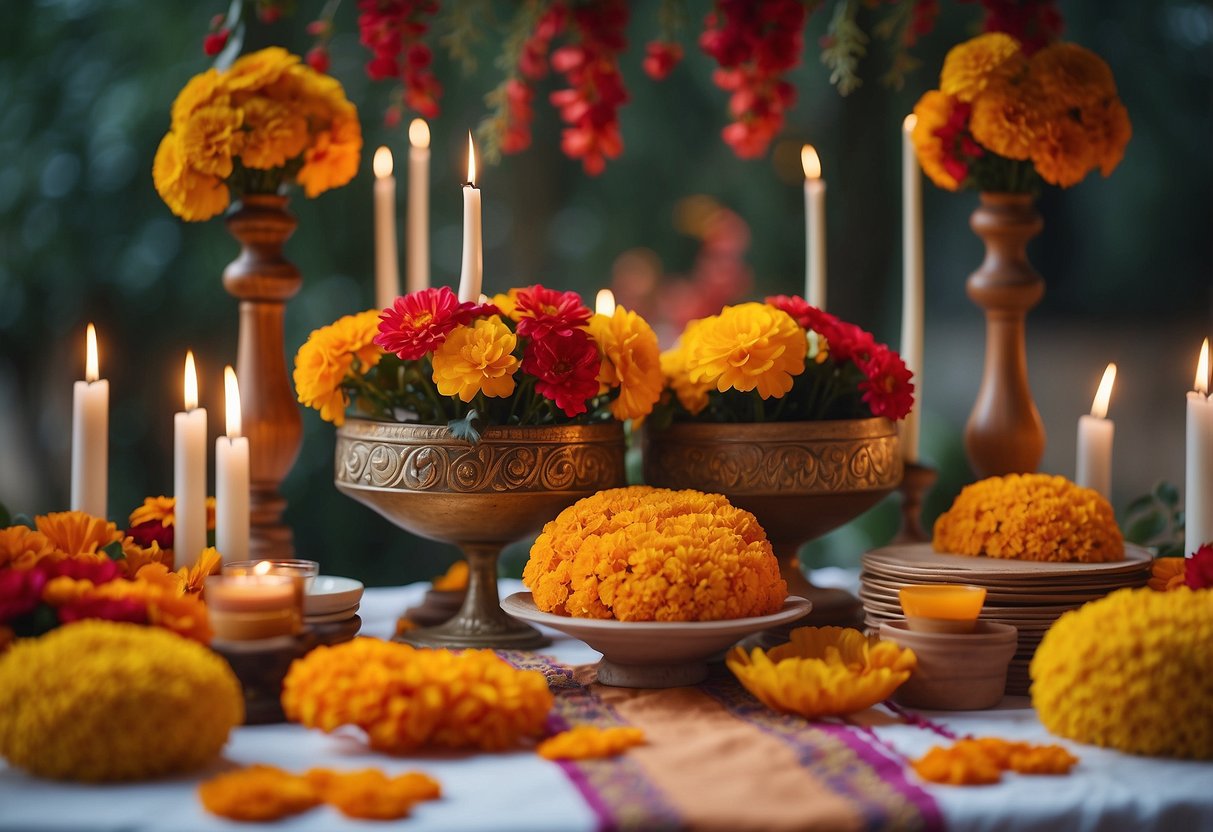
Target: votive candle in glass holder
point(942, 608)
point(303, 572)
point(254, 606)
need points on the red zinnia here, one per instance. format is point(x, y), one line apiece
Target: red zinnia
point(20, 592)
point(887, 389)
point(130, 610)
point(153, 531)
point(418, 323)
point(1198, 570)
point(566, 368)
point(542, 311)
point(94, 571)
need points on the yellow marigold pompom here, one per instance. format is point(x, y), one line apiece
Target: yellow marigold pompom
point(1031, 517)
point(746, 347)
point(823, 671)
point(585, 742)
point(328, 355)
point(969, 67)
point(631, 361)
point(258, 793)
point(99, 700)
point(1132, 671)
point(477, 359)
point(406, 698)
point(651, 554)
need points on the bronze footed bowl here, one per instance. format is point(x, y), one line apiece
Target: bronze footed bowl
point(800, 479)
point(479, 497)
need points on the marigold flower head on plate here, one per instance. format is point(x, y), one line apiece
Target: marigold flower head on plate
point(1120, 672)
point(585, 742)
point(541, 311)
point(258, 793)
point(330, 354)
point(631, 361)
point(477, 359)
point(1030, 517)
point(371, 794)
point(412, 698)
point(417, 323)
point(823, 671)
point(747, 347)
point(651, 554)
point(565, 366)
point(99, 701)
point(971, 66)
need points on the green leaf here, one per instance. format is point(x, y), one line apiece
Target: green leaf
point(114, 551)
point(1142, 503)
point(1171, 550)
point(1166, 493)
point(467, 428)
point(1145, 528)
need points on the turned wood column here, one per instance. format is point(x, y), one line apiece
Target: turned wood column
point(264, 280)
point(1005, 434)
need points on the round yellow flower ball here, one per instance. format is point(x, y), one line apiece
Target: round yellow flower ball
point(100, 700)
point(1132, 671)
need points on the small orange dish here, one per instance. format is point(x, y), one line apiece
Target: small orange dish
point(942, 608)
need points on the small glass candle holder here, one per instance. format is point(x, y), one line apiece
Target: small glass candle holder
point(253, 607)
point(303, 572)
point(942, 608)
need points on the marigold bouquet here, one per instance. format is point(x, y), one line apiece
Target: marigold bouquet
point(782, 360)
point(1003, 120)
point(266, 122)
point(533, 356)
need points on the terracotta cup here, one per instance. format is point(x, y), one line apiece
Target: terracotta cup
point(956, 671)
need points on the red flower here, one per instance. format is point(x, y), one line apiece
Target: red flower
point(95, 572)
point(542, 311)
point(804, 313)
point(887, 389)
point(418, 323)
point(1198, 570)
point(660, 59)
point(214, 42)
point(318, 59)
point(130, 610)
point(152, 531)
point(20, 591)
point(566, 368)
point(394, 30)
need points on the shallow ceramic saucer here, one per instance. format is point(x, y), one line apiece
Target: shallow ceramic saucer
point(654, 654)
point(331, 594)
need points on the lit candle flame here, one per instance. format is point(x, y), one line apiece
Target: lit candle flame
point(1099, 407)
point(471, 161)
point(382, 163)
point(262, 568)
point(91, 371)
point(909, 123)
point(419, 133)
point(231, 398)
point(811, 162)
point(191, 382)
point(604, 302)
point(1202, 370)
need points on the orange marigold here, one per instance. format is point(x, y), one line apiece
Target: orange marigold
point(651, 554)
point(933, 111)
point(1006, 118)
point(752, 346)
point(692, 395)
point(454, 579)
point(406, 698)
point(76, 533)
point(585, 742)
point(1030, 517)
point(371, 794)
point(970, 762)
point(1167, 574)
point(1071, 76)
point(631, 361)
point(21, 547)
point(160, 510)
point(258, 793)
point(971, 66)
point(330, 354)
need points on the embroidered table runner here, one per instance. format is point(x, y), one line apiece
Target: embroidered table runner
point(718, 760)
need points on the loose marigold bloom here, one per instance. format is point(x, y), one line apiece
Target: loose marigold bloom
point(330, 354)
point(585, 742)
point(970, 66)
point(1131, 671)
point(631, 361)
point(409, 698)
point(747, 347)
point(1167, 574)
point(371, 794)
point(477, 359)
point(650, 554)
point(1030, 517)
point(957, 766)
point(258, 793)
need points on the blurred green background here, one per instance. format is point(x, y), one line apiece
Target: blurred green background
point(85, 89)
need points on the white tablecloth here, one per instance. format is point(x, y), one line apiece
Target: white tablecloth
point(520, 791)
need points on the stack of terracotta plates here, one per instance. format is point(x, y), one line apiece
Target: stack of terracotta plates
point(1029, 595)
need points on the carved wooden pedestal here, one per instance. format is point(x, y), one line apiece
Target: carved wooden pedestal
point(264, 280)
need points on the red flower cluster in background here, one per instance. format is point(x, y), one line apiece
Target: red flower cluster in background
point(1034, 23)
point(756, 42)
point(394, 31)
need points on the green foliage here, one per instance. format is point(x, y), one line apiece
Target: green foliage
point(1157, 520)
point(846, 46)
point(114, 551)
point(467, 427)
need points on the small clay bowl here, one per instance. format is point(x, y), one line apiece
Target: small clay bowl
point(956, 671)
point(942, 608)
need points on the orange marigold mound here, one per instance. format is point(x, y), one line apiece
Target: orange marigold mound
point(1031, 517)
point(406, 698)
point(651, 554)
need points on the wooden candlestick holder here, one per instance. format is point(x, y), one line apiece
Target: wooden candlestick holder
point(264, 280)
point(916, 483)
point(261, 665)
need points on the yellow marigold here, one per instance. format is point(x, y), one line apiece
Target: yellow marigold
point(76, 533)
point(691, 395)
point(200, 91)
point(1071, 76)
point(651, 554)
point(257, 70)
point(933, 111)
point(1030, 517)
point(258, 793)
point(747, 347)
point(1167, 574)
point(508, 304)
point(191, 195)
point(454, 579)
point(160, 510)
point(1063, 153)
point(329, 355)
point(211, 138)
point(586, 742)
point(332, 159)
point(477, 359)
point(970, 66)
point(405, 698)
point(1132, 671)
point(274, 133)
point(99, 700)
point(1006, 118)
point(21, 547)
point(631, 361)
point(371, 794)
point(823, 671)
point(135, 557)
